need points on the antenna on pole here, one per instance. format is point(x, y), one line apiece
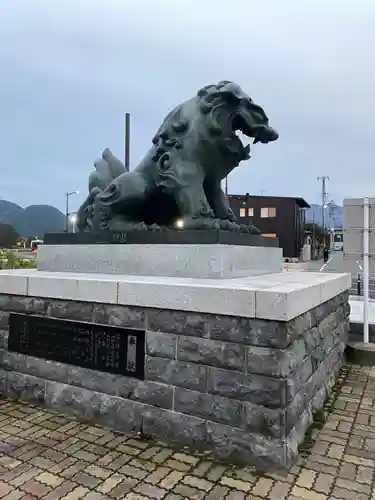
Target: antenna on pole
point(324, 179)
point(127, 141)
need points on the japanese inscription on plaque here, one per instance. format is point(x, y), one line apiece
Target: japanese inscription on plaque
point(89, 345)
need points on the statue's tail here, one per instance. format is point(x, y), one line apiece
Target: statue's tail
point(106, 169)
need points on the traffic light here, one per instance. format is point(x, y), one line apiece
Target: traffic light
point(244, 202)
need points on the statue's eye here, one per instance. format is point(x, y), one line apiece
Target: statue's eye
point(257, 116)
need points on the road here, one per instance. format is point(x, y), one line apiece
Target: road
point(337, 264)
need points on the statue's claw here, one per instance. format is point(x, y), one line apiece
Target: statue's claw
point(228, 225)
point(140, 226)
point(249, 229)
point(201, 223)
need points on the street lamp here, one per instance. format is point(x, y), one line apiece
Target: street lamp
point(179, 224)
point(73, 220)
point(67, 209)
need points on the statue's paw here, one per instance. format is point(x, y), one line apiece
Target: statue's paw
point(228, 225)
point(208, 224)
point(249, 229)
point(201, 223)
point(213, 224)
point(139, 226)
point(255, 230)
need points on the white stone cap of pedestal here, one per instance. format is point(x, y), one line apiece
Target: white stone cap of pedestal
point(281, 296)
point(178, 261)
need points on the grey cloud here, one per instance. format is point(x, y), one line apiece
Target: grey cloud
point(71, 69)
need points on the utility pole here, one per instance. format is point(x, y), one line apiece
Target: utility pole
point(127, 141)
point(313, 246)
point(324, 179)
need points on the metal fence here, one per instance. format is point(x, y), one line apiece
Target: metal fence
point(357, 285)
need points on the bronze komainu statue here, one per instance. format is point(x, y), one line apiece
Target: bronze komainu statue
point(180, 177)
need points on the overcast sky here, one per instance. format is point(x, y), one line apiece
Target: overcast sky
point(71, 69)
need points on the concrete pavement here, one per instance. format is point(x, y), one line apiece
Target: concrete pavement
point(337, 264)
point(356, 312)
point(48, 456)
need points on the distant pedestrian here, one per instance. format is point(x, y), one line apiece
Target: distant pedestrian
point(325, 254)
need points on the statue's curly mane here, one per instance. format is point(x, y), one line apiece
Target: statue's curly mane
point(209, 99)
point(170, 134)
point(210, 93)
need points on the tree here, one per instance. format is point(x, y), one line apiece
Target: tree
point(8, 236)
point(319, 235)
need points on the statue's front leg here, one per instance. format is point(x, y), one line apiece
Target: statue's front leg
point(194, 208)
point(220, 206)
point(219, 202)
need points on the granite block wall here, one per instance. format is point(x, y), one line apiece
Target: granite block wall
point(243, 388)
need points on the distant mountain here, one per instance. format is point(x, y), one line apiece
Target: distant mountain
point(9, 210)
point(34, 220)
point(333, 215)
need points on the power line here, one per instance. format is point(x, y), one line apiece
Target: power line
point(324, 179)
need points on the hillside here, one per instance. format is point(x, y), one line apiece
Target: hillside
point(9, 211)
point(34, 220)
point(333, 215)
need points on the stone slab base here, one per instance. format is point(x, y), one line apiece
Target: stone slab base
point(161, 237)
point(186, 261)
point(243, 388)
point(278, 296)
point(356, 333)
point(361, 354)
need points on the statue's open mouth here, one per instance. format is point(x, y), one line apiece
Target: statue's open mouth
point(245, 123)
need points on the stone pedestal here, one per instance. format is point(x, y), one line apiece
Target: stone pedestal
point(234, 366)
point(178, 260)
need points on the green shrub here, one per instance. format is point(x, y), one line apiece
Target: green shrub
point(11, 260)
